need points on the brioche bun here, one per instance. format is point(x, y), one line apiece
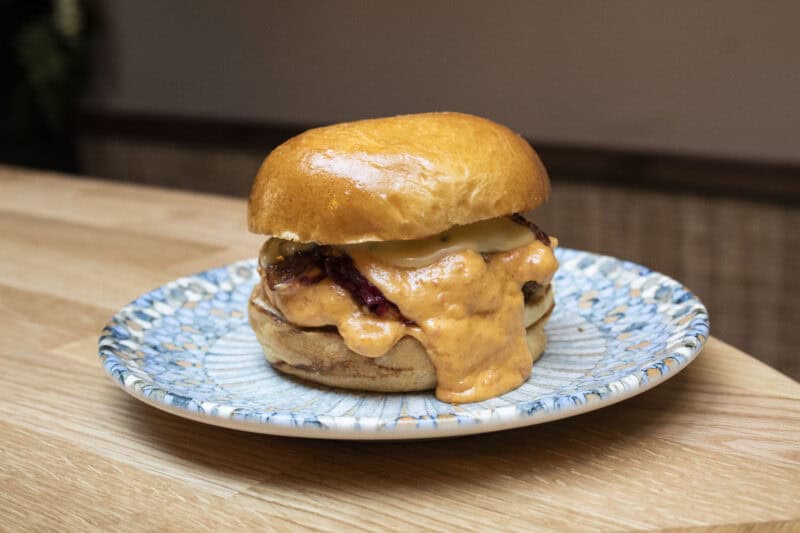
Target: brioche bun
point(320, 354)
point(397, 178)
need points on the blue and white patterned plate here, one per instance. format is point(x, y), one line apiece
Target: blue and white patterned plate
point(618, 329)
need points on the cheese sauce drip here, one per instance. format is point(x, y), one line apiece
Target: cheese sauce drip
point(468, 311)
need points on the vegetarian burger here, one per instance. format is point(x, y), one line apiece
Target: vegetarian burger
point(397, 257)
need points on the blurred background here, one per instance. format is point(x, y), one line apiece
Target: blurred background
point(671, 130)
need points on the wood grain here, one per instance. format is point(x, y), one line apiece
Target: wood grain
point(718, 445)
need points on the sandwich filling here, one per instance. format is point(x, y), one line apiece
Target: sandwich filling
point(461, 294)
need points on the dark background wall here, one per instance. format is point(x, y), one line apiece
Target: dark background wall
point(718, 77)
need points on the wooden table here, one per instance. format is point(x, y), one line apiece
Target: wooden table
point(718, 444)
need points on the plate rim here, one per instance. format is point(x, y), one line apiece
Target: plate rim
point(405, 430)
point(406, 433)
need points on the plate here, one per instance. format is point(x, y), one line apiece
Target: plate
point(617, 330)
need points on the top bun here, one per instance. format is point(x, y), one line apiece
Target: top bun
point(396, 178)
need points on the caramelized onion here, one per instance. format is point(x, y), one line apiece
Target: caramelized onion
point(540, 235)
point(286, 267)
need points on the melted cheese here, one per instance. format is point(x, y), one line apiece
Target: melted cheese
point(494, 235)
point(469, 314)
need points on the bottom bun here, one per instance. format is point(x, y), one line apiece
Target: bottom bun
point(320, 354)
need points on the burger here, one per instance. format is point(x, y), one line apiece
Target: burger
point(397, 257)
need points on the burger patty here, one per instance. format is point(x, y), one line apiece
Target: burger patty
point(533, 291)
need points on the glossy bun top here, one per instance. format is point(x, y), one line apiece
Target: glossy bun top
point(395, 178)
